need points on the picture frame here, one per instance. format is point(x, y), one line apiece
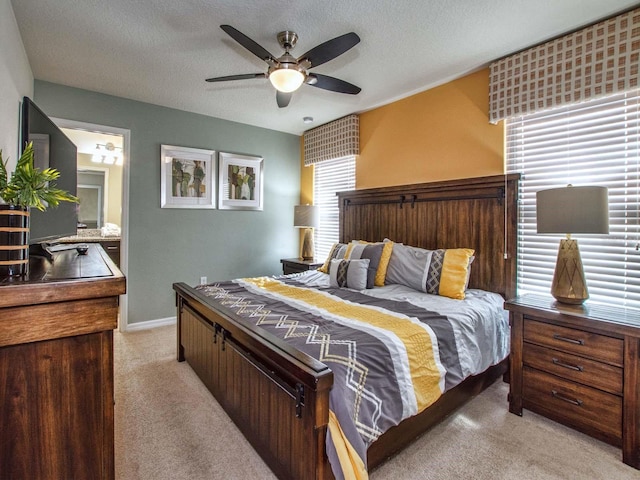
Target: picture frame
point(187, 177)
point(240, 182)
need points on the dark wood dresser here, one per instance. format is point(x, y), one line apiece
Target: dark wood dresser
point(56, 367)
point(580, 366)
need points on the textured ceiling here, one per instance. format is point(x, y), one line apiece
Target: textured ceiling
point(160, 51)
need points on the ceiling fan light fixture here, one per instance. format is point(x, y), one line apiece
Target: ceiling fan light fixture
point(286, 80)
point(286, 72)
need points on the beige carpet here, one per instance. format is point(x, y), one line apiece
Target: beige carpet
point(168, 426)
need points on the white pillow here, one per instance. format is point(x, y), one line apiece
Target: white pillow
point(349, 273)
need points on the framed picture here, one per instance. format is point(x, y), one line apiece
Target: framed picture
point(187, 177)
point(240, 186)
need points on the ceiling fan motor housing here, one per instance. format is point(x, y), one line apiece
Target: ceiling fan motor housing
point(287, 39)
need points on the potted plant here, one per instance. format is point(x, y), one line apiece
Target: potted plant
point(26, 188)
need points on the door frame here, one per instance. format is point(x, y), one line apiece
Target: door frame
point(124, 244)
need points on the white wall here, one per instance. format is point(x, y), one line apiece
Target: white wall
point(16, 81)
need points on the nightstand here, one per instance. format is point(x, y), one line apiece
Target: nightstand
point(297, 265)
point(580, 366)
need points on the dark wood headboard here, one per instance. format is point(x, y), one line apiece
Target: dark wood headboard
point(467, 213)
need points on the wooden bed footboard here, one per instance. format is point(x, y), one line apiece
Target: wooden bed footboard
point(280, 400)
point(277, 396)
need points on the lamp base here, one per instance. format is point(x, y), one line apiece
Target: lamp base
point(569, 285)
point(307, 245)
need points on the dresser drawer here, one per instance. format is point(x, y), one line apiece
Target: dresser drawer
point(578, 406)
point(578, 342)
point(575, 368)
point(112, 247)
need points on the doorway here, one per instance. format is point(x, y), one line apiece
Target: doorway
point(115, 190)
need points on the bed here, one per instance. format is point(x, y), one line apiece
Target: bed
point(238, 335)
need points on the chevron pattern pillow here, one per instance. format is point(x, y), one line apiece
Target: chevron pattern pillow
point(348, 273)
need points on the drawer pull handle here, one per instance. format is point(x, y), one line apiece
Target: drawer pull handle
point(577, 368)
point(568, 340)
point(573, 401)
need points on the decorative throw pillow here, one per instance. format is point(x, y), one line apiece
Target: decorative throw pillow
point(409, 266)
point(348, 273)
point(448, 272)
point(372, 252)
point(338, 250)
point(441, 272)
point(381, 271)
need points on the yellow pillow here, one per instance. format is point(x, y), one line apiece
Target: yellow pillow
point(338, 250)
point(381, 272)
point(455, 270)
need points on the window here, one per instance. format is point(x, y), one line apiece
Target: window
point(591, 143)
point(330, 176)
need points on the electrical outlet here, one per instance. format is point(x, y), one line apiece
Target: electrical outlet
point(203, 280)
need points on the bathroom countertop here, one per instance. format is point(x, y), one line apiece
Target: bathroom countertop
point(89, 235)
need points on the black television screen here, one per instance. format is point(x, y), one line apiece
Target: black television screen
point(52, 149)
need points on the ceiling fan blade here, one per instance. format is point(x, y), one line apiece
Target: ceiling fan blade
point(282, 98)
point(249, 44)
point(334, 84)
point(330, 49)
point(245, 76)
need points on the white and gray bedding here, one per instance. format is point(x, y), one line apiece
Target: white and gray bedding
point(393, 350)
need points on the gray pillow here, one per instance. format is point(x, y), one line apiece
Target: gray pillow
point(409, 266)
point(348, 273)
point(370, 251)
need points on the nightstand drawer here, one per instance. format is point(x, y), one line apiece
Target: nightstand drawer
point(572, 367)
point(580, 407)
point(579, 342)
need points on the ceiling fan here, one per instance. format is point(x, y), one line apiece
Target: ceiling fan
point(288, 73)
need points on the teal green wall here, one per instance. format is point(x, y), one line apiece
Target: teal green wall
point(181, 245)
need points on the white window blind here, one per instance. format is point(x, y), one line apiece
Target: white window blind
point(591, 143)
point(330, 176)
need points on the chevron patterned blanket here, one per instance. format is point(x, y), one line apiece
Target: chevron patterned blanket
point(391, 354)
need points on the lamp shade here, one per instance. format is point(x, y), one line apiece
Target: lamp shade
point(286, 79)
point(305, 216)
point(573, 210)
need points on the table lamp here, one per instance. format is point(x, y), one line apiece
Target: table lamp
point(571, 210)
point(307, 217)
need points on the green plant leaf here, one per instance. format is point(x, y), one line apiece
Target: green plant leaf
point(30, 186)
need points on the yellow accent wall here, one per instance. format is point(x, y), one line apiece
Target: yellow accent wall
point(440, 134)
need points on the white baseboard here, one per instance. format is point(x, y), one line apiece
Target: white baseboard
point(160, 322)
